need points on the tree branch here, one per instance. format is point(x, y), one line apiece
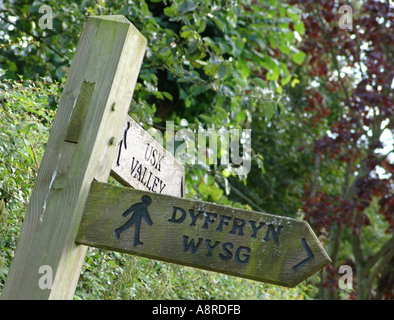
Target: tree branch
point(357, 249)
point(333, 54)
point(240, 194)
point(334, 243)
point(387, 249)
point(13, 196)
point(386, 256)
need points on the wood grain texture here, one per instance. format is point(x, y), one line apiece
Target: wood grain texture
point(243, 243)
point(144, 164)
point(78, 116)
point(109, 55)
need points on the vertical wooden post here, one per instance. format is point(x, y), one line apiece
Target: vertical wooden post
point(81, 148)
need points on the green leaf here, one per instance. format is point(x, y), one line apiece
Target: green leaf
point(260, 161)
point(226, 90)
point(241, 117)
point(259, 82)
point(294, 82)
point(284, 47)
point(216, 193)
point(169, 11)
point(27, 128)
point(187, 34)
point(222, 70)
point(270, 109)
point(298, 57)
point(12, 66)
point(222, 111)
point(187, 6)
point(197, 89)
point(158, 95)
point(206, 118)
point(219, 23)
point(202, 26)
point(285, 80)
point(300, 28)
point(226, 173)
point(204, 189)
point(167, 95)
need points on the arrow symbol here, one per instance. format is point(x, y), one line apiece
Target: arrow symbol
point(308, 251)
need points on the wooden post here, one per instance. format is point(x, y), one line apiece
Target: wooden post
point(81, 148)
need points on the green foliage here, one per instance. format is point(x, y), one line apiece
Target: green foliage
point(24, 121)
point(348, 196)
point(213, 64)
point(114, 276)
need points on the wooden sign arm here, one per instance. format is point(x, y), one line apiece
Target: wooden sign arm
point(249, 244)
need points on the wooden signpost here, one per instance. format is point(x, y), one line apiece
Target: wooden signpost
point(81, 148)
point(72, 205)
point(144, 164)
point(253, 245)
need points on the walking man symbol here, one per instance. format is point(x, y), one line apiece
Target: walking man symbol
point(140, 211)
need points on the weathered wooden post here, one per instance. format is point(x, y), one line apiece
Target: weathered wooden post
point(81, 148)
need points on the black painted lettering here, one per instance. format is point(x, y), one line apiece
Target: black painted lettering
point(275, 233)
point(119, 152)
point(191, 245)
point(155, 181)
point(255, 229)
point(146, 152)
point(194, 217)
point(153, 160)
point(123, 142)
point(157, 166)
point(209, 247)
point(139, 171)
point(162, 185)
point(245, 257)
point(147, 182)
point(223, 222)
point(174, 218)
point(143, 176)
point(133, 166)
point(208, 216)
point(238, 224)
point(226, 249)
